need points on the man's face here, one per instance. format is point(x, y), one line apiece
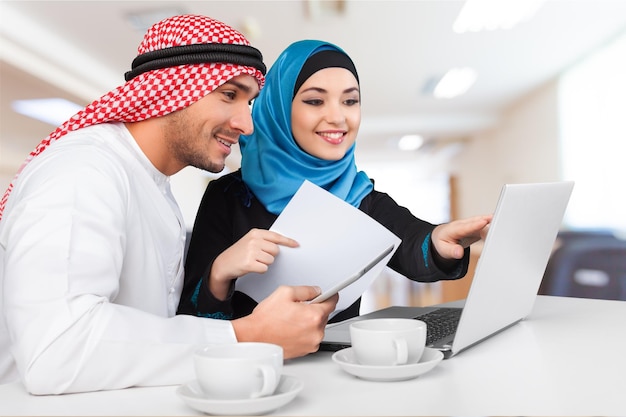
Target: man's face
point(202, 134)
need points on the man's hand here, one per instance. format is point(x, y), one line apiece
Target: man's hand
point(285, 319)
point(254, 252)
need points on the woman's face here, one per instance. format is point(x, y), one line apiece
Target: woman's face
point(326, 113)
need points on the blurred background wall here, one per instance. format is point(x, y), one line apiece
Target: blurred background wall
point(546, 103)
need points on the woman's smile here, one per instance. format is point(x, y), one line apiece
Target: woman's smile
point(334, 138)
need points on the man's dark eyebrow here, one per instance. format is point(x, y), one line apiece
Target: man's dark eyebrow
point(239, 85)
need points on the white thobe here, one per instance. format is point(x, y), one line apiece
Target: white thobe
point(91, 251)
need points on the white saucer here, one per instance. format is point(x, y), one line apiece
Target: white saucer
point(347, 360)
point(287, 389)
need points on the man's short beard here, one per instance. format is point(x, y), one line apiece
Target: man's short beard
point(213, 168)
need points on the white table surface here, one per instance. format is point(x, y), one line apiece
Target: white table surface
point(567, 358)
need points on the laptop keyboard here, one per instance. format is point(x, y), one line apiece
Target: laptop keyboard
point(441, 323)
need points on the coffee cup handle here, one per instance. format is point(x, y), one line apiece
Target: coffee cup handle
point(269, 381)
point(402, 351)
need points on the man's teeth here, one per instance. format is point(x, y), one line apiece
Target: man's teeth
point(224, 142)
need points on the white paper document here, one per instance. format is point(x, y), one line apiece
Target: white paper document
point(336, 240)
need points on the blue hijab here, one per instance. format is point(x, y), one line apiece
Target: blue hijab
point(272, 163)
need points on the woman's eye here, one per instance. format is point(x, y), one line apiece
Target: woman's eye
point(313, 102)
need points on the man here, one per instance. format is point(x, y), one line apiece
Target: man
point(92, 240)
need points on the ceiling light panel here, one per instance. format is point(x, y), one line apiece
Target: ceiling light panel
point(48, 110)
point(478, 15)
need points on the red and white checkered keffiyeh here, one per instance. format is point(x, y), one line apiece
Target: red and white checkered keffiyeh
point(161, 91)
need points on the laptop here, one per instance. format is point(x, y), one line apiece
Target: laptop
point(509, 271)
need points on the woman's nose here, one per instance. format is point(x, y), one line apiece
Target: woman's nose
point(335, 114)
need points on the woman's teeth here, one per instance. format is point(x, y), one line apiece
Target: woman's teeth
point(336, 135)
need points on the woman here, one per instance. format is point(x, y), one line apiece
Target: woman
point(306, 120)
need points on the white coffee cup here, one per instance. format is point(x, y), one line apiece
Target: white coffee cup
point(239, 371)
point(388, 342)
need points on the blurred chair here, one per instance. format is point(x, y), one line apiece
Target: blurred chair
point(587, 265)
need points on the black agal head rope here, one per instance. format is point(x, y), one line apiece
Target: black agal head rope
point(226, 53)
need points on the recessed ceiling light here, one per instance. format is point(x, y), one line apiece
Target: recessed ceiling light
point(455, 82)
point(318, 9)
point(48, 110)
point(410, 142)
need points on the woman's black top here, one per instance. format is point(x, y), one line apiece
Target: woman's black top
point(229, 210)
